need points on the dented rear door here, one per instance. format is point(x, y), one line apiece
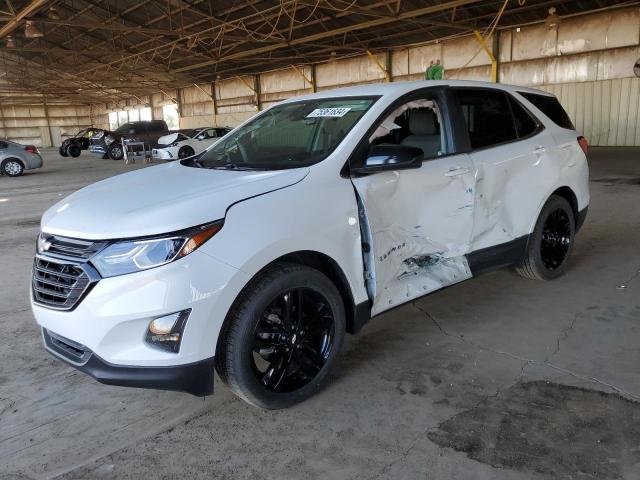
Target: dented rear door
point(419, 223)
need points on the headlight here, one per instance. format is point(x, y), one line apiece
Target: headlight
point(108, 140)
point(130, 256)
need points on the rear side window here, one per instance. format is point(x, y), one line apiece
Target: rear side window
point(487, 115)
point(525, 123)
point(3, 144)
point(551, 107)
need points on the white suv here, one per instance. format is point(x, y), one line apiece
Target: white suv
point(255, 257)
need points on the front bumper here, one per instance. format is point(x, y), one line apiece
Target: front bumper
point(111, 322)
point(163, 154)
point(194, 378)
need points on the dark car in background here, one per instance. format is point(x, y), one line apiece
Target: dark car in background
point(110, 144)
point(73, 146)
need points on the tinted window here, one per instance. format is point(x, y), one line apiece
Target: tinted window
point(487, 116)
point(157, 126)
point(525, 123)
point(551, 107)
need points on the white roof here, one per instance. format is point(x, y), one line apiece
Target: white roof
point(400, 88)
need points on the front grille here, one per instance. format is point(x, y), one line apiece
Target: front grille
point(58, 285)
point(68, 248)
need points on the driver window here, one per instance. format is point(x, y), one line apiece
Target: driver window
point(415, 124)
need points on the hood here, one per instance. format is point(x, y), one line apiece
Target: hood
point(168, 139)
point(157, 200)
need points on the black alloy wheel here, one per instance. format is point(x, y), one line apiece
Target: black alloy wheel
point(282, 337)
point(293, 340)
point(556, 239)
point(551, 242)
point(185, 152)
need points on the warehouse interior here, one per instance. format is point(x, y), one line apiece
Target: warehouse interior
point(495, 378)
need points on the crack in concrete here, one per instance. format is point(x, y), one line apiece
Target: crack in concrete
point(528, 361)
point(625, 285)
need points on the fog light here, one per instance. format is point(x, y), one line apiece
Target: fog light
point(166, 332)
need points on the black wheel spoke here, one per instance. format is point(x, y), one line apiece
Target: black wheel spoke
point(293, 337)
point(556, 239)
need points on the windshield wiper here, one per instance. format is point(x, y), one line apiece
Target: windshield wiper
point(232, 166)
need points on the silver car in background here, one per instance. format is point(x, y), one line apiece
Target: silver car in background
point(16, 158)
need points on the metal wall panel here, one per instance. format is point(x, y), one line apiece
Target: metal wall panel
point(605, 111)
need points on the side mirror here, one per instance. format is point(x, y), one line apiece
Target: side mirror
point(200, 137)
point(386, 157)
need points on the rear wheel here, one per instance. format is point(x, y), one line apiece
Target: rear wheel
point(12, 167)
point(74, 150)
point(282, 337)
point(115, 151)
point(63, 150)
point(551, 242)
point(186, 152)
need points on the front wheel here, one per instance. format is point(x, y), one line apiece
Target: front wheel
point(74, 150)
point(551, 242)
point(282, 337)
point(115, 151)
point(186, 152)
point(63, 151)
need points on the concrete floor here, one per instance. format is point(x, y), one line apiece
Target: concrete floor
point(495, 378)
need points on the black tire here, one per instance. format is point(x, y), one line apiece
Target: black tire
point(243, 345)
point(63, 150)
point(115, 151)
point(186, 152)
point(551, 242)
point(74, 150)
point(12, 167)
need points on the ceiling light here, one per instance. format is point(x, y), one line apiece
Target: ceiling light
point(553, 19)
point(53, 14)
point(31, 31)
point(10, 42)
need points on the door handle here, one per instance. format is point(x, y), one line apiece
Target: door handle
point(539, 149)
point(454, 172)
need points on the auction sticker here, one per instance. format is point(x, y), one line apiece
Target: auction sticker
point(329, 112)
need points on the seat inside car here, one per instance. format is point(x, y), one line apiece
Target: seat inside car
point(424, 132)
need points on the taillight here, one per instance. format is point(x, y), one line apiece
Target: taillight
point(584, 145)
point(31, 149)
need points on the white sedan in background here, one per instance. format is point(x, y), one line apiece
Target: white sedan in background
point(186, 143)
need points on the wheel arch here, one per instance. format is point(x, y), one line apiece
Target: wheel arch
point(356, 314)
point(569, 196)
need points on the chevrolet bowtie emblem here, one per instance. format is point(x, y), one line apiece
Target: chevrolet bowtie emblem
point(43, 244)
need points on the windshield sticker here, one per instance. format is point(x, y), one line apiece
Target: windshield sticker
point(334, 112)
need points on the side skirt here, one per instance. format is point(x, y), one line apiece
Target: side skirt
point(498, 256)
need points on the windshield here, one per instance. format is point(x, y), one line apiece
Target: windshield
point(124, 128)
point(288, 136)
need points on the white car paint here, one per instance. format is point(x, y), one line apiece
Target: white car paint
point(421, 225)
point(201, 139)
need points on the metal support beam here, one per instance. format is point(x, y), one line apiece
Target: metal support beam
point(30, 9)
point(46, 117)
point(314, 81)
point(256, 82)
point(307, 79)
point(494, 62)
point(382, 68)
point(329, 33)
point(214, 104)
